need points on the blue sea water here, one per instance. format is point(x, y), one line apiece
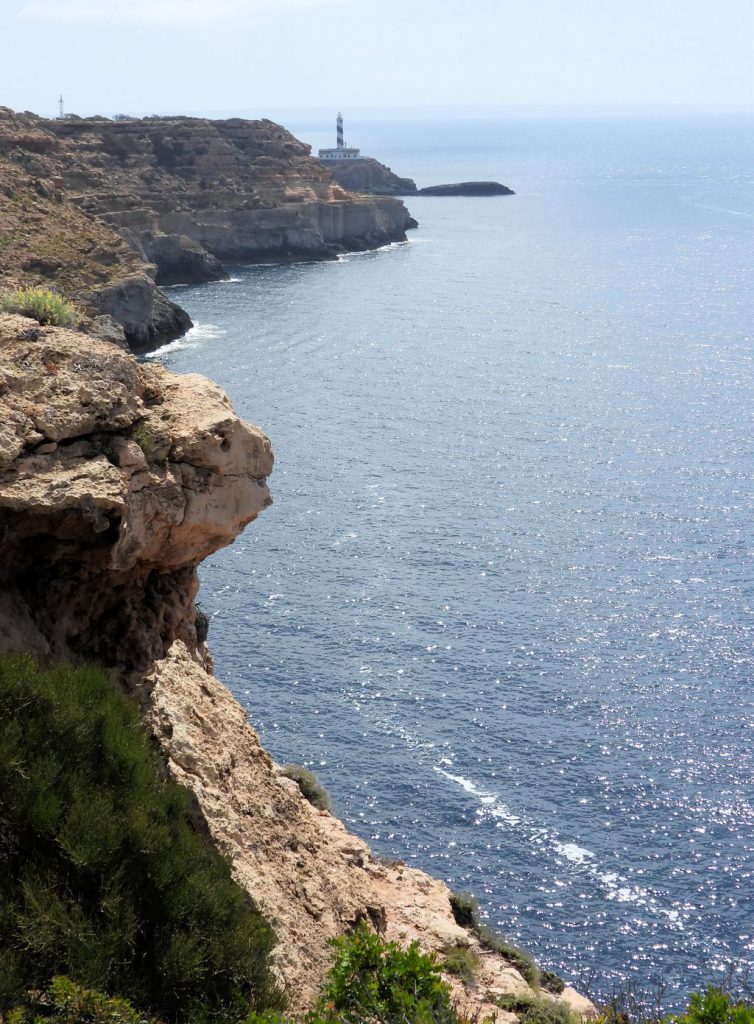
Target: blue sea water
point(502, 603)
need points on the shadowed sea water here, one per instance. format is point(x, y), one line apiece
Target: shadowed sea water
point(503, 601)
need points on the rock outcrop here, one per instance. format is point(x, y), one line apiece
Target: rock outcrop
point(116, 480)
point(369, 175)
point(45, 239)
point(108, 210)
point(468, 188)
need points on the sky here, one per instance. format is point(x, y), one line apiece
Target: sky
point(255, 57)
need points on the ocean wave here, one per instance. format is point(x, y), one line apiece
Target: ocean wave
point(345, 257)
point(580, 860)
point(191, 339)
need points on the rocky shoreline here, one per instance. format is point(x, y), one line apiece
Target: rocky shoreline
point(107, 211)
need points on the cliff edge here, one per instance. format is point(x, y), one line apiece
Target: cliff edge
point(106, 211)
point(116, 480)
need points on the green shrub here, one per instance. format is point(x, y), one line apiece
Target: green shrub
point(461, 961)
point(466, 913)
point(465, 909)
point(309, 785)
point(521, 960)
point(40, 304)
point(376, 981)
point(65, 1002)
point(535, 1010)
point(551, 982)
point(102, 875)
point(713, 1006)
point(632, 1004)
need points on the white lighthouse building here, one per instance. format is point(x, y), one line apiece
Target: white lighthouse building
point(341, 152)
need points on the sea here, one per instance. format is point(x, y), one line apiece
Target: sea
point(502, 603)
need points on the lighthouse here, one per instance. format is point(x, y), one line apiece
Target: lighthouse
point(341, 151)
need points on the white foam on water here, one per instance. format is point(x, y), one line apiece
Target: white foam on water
point(582, 862)
point(191, 339)
point(575, 854)
point(492, 803)
point(725, 209)
point(345, 257)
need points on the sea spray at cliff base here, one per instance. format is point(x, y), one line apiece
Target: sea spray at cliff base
point(510, 546)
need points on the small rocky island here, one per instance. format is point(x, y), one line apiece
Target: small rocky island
point(467, 188)
point(368, 176)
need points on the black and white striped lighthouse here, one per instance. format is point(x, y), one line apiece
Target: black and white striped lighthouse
point(341, 151)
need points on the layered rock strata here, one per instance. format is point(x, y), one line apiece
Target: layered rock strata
point(107, 210)
point(45, 239)
point(116, 480)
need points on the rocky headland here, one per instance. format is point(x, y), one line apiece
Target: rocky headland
point(106, 211)
point(116, 480)
point(369, 175)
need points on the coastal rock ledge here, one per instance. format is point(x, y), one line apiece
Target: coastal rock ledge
point(116, 480)
point(107, 210)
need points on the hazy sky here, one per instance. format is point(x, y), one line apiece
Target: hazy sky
point(144, 56)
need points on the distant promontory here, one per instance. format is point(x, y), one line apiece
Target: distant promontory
point(368, 176)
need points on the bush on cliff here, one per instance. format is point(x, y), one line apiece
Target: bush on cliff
point(103, 876)
point(309, 785)
point(40, 304)
point(532, 1009)
point(466, 913)
point(376, 982)
point(461, 961)
point(65, 1002)
point(713, 1006)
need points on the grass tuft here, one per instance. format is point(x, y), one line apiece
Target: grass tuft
point(461, 961)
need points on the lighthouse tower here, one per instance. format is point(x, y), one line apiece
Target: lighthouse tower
point(341, 152)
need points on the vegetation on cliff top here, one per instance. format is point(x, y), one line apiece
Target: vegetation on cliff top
point(41, 304)
point(466, 913)
point(376, 982)
point(104, 876)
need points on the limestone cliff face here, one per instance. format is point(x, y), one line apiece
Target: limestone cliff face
point(238, 190)
point(116, 480)
point(107, 210)
point(45, 239)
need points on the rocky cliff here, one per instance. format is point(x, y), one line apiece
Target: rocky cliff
point(107, 210)
point(116, 480)
point(369, 175)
